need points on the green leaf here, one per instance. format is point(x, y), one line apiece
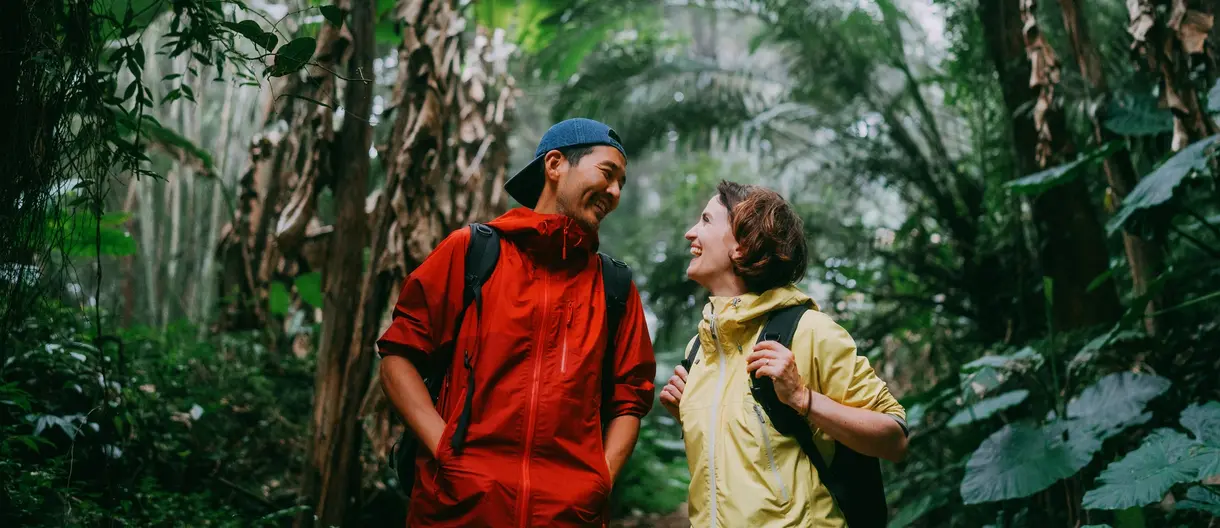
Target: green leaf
point(1199, 498)
point(293, 56)
point(333, 14)
point(278, 299)
point(912, 511)
point(1100, 279)
point(1137, 116)
point(1146, 474)
point(1203, 421)
point(1158, 187)
point(988, 407)
point(1020, 460)
point(1213, 98)
point(309, 287)
point(1045, 180)
point(1022, 360)
point(1116, 402)
point(251, 30)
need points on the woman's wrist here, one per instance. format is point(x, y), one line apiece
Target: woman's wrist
point(802, 401)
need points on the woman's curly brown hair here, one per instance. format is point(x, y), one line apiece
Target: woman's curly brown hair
point(770, 234)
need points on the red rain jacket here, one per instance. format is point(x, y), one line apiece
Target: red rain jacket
point(533, 454)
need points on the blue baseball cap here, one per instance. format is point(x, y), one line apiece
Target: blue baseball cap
point(526, 185)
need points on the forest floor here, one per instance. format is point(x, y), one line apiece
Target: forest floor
point(677, 519)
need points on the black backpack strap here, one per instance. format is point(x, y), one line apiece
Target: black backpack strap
point(692, 351)
point(781, 327)
point(863, 505)
point(616, 284)
point(481, 257)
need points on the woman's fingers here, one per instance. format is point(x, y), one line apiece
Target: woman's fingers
point(680, 371)
point(677, 383)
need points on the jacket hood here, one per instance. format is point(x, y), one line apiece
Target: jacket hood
point(737, 318)
point(546, 235)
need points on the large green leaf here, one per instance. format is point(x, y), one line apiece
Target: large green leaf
point(1203, 421)
point(1201, 499)
point(1116, 402)
point(1158, 187)
point(82, 236)
point(1021, 459)
point(1024, 359)
point(309, 287)
point(1042, 181)
point(988, 407)
point(1146, 474)
point(1137, 116)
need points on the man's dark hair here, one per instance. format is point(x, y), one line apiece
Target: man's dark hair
point(573, 154)
point(770, 234)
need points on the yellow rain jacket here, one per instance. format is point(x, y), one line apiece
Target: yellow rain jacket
point(743, 472)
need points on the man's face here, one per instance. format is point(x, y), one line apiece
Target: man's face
point(588, 190)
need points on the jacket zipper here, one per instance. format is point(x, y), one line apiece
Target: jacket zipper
point(524, 503)
point(762, 429)
point(563, 361)
point(714, 412)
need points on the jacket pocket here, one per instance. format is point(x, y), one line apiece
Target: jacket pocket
point(768, 450)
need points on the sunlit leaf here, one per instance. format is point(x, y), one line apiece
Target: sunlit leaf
point(309, 287)
point(1022, 360)
point(988, 407)
point(278, 299)
point(1158, 187)
point(1048, 179)
point(1213, 98)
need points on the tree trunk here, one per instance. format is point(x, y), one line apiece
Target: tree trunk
point(1072, 248)
point(332, 475)
point(1167, 43)
point(1144, 258)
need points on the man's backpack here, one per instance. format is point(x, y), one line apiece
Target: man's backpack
point(481, 257)
point(854, 479)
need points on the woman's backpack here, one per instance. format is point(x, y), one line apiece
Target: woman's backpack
point(854, 479)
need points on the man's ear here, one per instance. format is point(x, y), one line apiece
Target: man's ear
point(554, 164)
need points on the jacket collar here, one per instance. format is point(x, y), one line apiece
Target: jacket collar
point(546, 236)
point(737, 319)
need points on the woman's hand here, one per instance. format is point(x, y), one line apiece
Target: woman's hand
point(774, 360)
point(671, 394)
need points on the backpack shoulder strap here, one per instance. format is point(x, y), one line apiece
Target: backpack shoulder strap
point(781, 328)
point(692, 351)
point(616, 285)
point(616, 282)
point(481, 257)
point(781, 325)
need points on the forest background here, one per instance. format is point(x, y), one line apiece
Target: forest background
point(208, 205)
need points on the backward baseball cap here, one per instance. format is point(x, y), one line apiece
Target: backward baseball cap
point(526, 186)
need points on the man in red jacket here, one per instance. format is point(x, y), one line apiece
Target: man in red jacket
point(534, 450)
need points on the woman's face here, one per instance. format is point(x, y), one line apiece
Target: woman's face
point(712, 245)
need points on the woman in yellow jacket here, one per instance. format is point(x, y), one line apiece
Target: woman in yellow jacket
point(748, 250)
